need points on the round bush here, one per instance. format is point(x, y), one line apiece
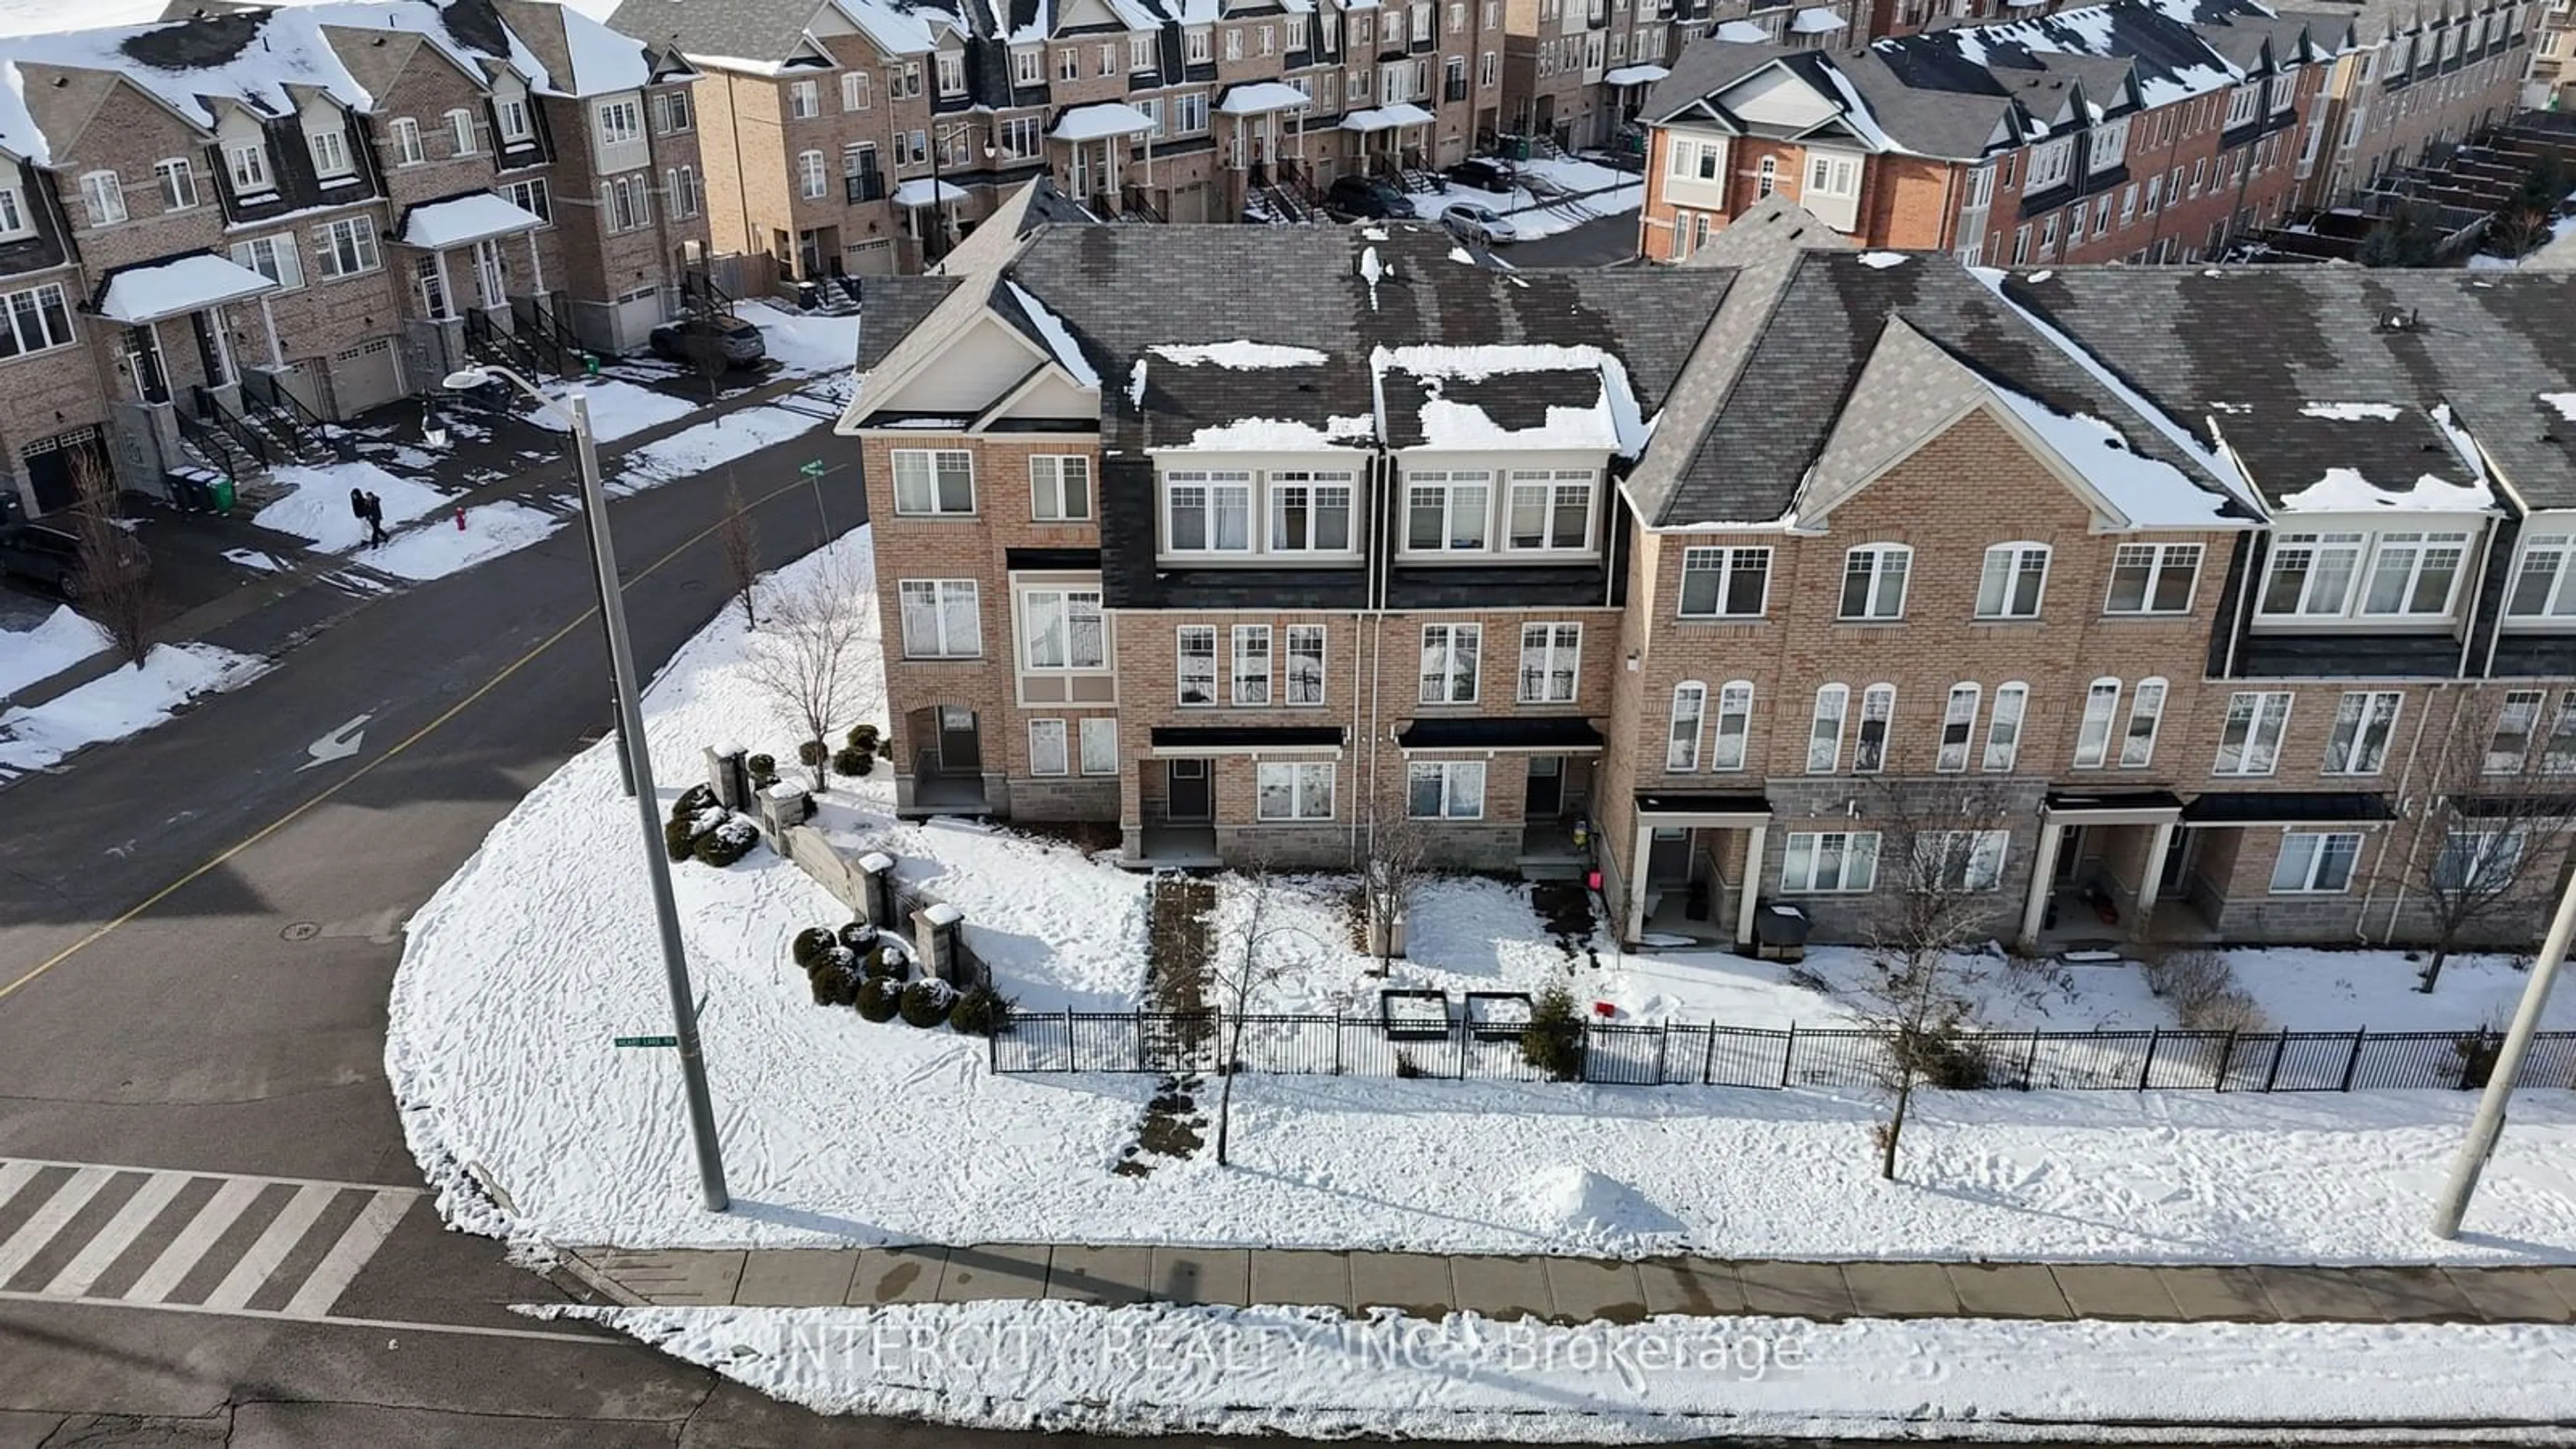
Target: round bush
point(759, 765)
point(859, 936)
point(926, 1003)
point(887, 959)
point(879, 998)
point(810, 945)
point(851, 760)
point(834, 984)
point(679, 837)
point(811, 753)
point(693, 801)
point(863, 736)
point(981, 1012)
point(728, 842)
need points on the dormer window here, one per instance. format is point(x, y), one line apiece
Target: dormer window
point(1207, 511)
point(14, 218)
point(2110, 143)
point(1446, 511)
point(1551, 509)
point(952, 75)
point(511, 113)
point(1028, 66)
point(329, 147)
point(2244, 103)
point(2325, 577)
point(2050, 163)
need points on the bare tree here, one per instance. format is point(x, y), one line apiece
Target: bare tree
point(1245, 965)
point(814, 662)
point(112, 580)
point(2496, 785)
point(1941, 848)
point(738, 540)
point(1395, 856)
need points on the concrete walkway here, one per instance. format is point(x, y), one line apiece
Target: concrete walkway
point(1576, 1290)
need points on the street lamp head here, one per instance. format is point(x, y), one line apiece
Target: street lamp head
point(466, 379)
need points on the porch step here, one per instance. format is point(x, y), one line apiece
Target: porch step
point(1544, 868)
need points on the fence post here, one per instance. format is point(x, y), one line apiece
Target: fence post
point(1788, 1053)
point(1140, 1039)
point(2147, 1068)
point(1466, 1040)
point(1069, 1057)
point(993, 1055)
point(2030, 1061)
point(2354, 1061)
point(2226, 1055)
point(1708, 1059)
point(1663, 1048)
point(1584, 1074)
point(2280, 1048)
point(1337, 1043)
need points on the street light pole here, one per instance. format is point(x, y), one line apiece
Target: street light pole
point(639, 760)
point(2488, 1125)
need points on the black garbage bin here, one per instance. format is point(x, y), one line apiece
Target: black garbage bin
point(1780, 932)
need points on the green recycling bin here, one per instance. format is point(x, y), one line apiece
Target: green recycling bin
point(1520, 148)
point(223, 491)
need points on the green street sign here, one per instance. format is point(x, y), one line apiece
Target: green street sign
point(648, 1041)
point(590, 364)
point(813, 469)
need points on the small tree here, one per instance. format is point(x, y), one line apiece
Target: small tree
point(2409, 237)
point(1939, 852)
point(1244, 966)
point(702, 347)
point(738, 540)
point(812, 661)
point(1395, 855)
point(2495, 786)
point(111, 581)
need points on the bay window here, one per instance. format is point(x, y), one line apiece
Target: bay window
point(1062, 629)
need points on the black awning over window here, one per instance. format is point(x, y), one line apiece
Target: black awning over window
point(1237, 737)
point(2288, 807)
point(1500, 732)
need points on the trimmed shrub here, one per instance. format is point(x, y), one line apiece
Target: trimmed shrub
point(810, 945)
point(859, 936)
point(926, 1002)
point(728, 842)
point(851, 760)
point(888, 960)
point(980, 1012)
point(679, 837)
point(835, 977)
point(694, 801)
point(811, 753)
point(864, 737)
point(2228, 1010)
point(763, 770)
point(879, 999)
point(1941, 1059)
point(1553, 1040)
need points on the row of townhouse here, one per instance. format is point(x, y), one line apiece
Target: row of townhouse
point(217, 230)
point(2413, 79)
point(1700, 576)
point(2133, 130)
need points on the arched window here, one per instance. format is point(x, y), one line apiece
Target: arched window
point(1825, 735)
point(2146, 709)
point(1690, 707)
point(1869, 747)
point(2003, 727)
point(1734, 725)
point(1958, 728)
point(2093, 736)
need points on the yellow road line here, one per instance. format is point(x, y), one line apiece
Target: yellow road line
point(415, 737)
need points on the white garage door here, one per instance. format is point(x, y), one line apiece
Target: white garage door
point(638, 313)
point(365, 376)
point(869, 258)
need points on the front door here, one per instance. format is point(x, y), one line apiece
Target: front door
point(488, 283)
point(2070, 855)
point(2177, 864)
point(143, 354)
point(1192, 799)
point(1545, 796)
point(1668, 860)
point(961, 750)
point(214, 349)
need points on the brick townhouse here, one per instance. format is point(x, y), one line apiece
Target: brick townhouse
point(1697, 576)
point(856, 137)
point(2410, 78)
point(216, 231)
point(1575, 71)
point(2112, 132)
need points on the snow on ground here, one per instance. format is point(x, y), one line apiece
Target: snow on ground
point(617, 408)
point(801, 345)
point(127, 701)
point(317, 507)
point(1057, 1366)
point(540, 949)
point(713, 443)
point(60, 640)
point(1603, 191)
point(439, 548)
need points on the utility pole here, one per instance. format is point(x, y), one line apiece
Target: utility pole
point(2488, 1125)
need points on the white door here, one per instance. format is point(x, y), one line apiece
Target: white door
point(869, 258)
point(638, 313)
point(487, 274)
point(364, 376)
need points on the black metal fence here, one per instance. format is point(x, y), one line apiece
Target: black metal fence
point(1687, 1054)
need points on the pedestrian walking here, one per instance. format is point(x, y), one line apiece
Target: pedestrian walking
point(375, 521)
point(358, 504)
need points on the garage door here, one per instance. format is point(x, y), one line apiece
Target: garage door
point(365, 376)
point(49, 466)
point(638, 313)
point(869, 259)
point(1190, 203)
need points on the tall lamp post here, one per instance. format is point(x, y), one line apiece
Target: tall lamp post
point(575, 411)
point(2488, 1125)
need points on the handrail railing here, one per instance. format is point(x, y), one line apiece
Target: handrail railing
point(481, 335)
point(220, 419)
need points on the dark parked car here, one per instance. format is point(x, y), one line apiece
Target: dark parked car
point(735, 340)
point(1480, 176)
point(48, 556)
point(1366, 197)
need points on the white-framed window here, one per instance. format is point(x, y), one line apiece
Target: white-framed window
point(1207, 512)
point(532, 196)
point(1961, 860)
point(2244, 103)
point(1550, 656)
point(1303, 664)
point(952, 74)
point(1689, 712)
point(2558, 749)
point(1310, 512)
point(1196, 669)
point(1725, 583)
point(247, 165)
point(1766, 178)
point(103, 197)
point(903, 82)
point(805, 102)
point(1019, 138)
point(407, 148)
point(1100, 745)
point(1251, 673)
point(1449, 663)
point(671, 113)
point(2321, 575)
point(460, 132)
point(2146, 711)
point(630, 205)
point(2414, 574)
point(1958, 728)
point(2249, 742)
point(178, 180)
point(1061, 629)
point(2110, 143)
point(1200, 45)
point(510, 117)
point(1047, 748)
point(1825, 730)
point(1869, 742)
point(2152, 578)
point(810, 175)
point(1445, 790)
point(2050, 164)
point(272, 257)
point(2365, 720)
point(15, 219)
point(680, 184)
point(1293, 790)
point(617, 122)
point(2517, 724)
point(1874, 581)
point(1833, 175)
point(2010, 584)
point(1726, 746)
point(2315, 862)
point(2485, 861)
point(854, 90)
point(1059, 487)
point(934, 481)
point(2093, 734)
point(1028, 66)
point(1820, 862)
point(2544, 581)
point(1550, 509)
point(347, 247)
point(2003, 728)
point(940, 619)
point(1140, 52)
point(1447, 512)
point(37, 320)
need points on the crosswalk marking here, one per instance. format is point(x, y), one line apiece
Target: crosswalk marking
point(49, 1199)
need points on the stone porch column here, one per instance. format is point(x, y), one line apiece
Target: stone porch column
point(2043, 871)
point(1635, 929)
point(2151, 881)
point(1751, 890)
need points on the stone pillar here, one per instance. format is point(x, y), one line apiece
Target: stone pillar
point(2043, 871)
point(725, 776)
point(783, 807)
point(2151, 883)
point(1634, 928)
point(934, 935)
point(876, 888)
point(1751, 892)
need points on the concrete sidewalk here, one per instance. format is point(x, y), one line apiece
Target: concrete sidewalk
point(1575, 1290)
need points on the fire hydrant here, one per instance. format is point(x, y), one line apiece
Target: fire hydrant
point(460, 518)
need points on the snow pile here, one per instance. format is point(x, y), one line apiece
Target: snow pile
point(711, 444)
point(2563, 402)
point(2146, 490)
point(805, 346)
point(2344, 490)
point(437, 549)
point(1881, 261)
point(1309, 1372)
point(1577, 1204)
point(2351, 412)
point(617, 409)
point(1282, 435)
point(1247, 355)
point(62, 640)
point(317, 506)
point(126, 702)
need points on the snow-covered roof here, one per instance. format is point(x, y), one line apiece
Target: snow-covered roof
point(921, 191)
point(1057, 337)
point(1402, 113)
point(1489, 396)
point(1817, 21)
point(1261, 98)
point(2148, 491)
point(438, 225)
point(1634, 75)
point(1099, 122)
point(603, 61)
point(165, 289)
point(1741, 32)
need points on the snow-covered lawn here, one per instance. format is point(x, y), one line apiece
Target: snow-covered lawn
point(1600, 190)
point(438, 548)
point(115, 705)
point(616, 408)
point(1032, 1367)
point(711, 444)
point(525, 964)
point(60, 640)
point(316, 508)
point(804, 346)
